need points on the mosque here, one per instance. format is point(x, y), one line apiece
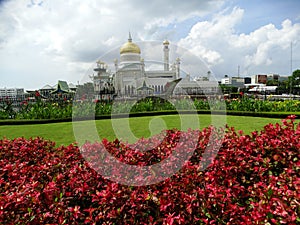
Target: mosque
point(130, 78)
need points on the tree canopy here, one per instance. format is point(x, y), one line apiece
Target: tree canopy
point(296, 78)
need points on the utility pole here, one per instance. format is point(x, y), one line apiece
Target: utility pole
point(291, 70)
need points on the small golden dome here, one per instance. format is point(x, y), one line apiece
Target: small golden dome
point(130, 47)
point(166, 42)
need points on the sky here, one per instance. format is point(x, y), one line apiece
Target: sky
point(42, 42)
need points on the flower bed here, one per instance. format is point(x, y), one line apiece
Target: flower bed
point(253, 180)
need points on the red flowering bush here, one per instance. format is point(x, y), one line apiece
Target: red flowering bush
point(254, 179)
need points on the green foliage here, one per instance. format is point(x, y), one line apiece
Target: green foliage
point(296, 78)
point(228, 89)
point(295, 82)
point(45, 110)
point(254, 105)
point(67, 109)
point(6, 110)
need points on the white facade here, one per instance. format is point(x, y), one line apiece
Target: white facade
point(226, 80)
point(232, 80)
point(11, 92)
point(130, 72)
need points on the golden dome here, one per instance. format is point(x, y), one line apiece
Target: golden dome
point(130, 47)
point(166, 42)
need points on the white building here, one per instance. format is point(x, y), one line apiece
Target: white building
point(233, 81)
point(11, 92)
point(130, 76)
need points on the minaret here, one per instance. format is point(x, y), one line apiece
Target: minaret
point(166, 55)
point(143, 66)
point(116, 64)
point(177, 68)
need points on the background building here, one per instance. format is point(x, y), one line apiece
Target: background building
point(131, 79)
point(11, 92)
point(131, 75)
point(259, 79)
point(238, 82)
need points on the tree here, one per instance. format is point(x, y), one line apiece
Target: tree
point(272, 83)
point(295, 81)
point(283, 86)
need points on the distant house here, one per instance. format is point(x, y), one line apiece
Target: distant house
point(62, 87)
point(46, 90)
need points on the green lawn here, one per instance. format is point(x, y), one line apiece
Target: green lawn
point(62, 133)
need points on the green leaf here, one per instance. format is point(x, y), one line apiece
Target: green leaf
point(207, 215)
point(270, 215)
point(269, 193)
point(32, 218)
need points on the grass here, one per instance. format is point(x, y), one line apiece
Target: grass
point(63, 134)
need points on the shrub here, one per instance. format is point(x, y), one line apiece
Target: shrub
point(65, 109)
point(253, 180)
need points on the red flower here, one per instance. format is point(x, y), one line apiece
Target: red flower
point(253, 179)
point(37, 94)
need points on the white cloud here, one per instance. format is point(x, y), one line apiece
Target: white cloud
point(206, 38)
point(46, 38)
point(263, 50)
point(44, 41)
